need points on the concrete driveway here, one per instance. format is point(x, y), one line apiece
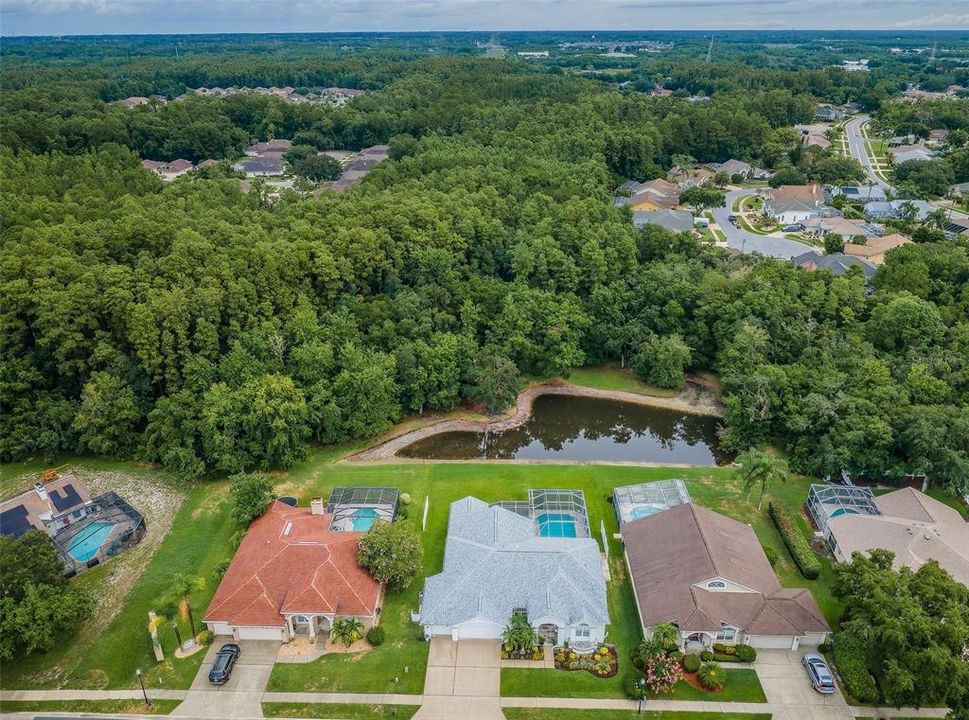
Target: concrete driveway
point(789, 691)
point(463, 681)
point(241, 696)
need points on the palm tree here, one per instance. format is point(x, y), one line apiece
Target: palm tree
point(182, 587)
point(757, 468)
point(937, 218)
point(346, 630)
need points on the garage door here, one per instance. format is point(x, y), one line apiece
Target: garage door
point(260, 633)
point(771, 642)
point(476, 631)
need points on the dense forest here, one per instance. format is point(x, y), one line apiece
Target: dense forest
point(205, 328)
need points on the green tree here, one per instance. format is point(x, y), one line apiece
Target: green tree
point(756, 468)
point(346, 630)
point(701, 198)
point(179, 601)
point(392, 553)
point(834, 243)
point(28, 559)
point(661, 360)
point(519, 634)
point(108, 415)
point(493, 381)
point(43, 617)
point(250, 496)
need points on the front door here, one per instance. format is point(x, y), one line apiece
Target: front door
point(549, 633)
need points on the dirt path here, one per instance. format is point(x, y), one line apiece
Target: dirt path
point(692, 401)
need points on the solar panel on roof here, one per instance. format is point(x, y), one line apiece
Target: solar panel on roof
point(65, 498)
point(13, 522)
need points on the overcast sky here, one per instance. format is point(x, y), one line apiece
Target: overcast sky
point(84, 17)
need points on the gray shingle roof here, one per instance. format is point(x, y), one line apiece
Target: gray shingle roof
point(495, 563)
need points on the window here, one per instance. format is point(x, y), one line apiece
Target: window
point(716, 584)
point(727, 634)
point(301, 619)
point(583, 632)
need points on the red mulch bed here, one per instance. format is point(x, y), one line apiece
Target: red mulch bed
point(694, 680)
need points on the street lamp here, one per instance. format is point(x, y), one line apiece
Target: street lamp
point(641, 683)
point(144, 692)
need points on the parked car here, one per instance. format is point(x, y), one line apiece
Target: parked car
point(225, 659)
point(793, 227)
point(820, 674)
point(732, 219)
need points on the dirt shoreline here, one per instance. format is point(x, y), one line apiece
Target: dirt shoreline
point(693, 401)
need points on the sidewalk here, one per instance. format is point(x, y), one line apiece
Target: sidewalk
point(36, 695)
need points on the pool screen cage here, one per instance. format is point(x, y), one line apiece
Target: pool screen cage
point(830, 501)
point(632, 502)
point(128, 530)
point(346, 502)
point(546, 504)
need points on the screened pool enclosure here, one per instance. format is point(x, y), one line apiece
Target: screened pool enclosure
point(826, 502)
point(356, 509)
point(557, 513)
point(632, 502)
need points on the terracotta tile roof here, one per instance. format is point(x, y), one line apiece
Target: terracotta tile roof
point(307, 570)
point(673, 553)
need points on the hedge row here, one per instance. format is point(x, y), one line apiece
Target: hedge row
point(849, 658)
point(807, 562)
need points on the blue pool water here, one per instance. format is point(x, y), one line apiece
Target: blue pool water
point(363, 519)
point(556, 525)
point(843, 511)
point(87, 543)
point(641, 511)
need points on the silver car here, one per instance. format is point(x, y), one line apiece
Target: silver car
point(820, 674)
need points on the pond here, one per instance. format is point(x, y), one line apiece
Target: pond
point(577, 428)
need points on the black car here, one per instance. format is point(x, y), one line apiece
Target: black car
point(222, 667)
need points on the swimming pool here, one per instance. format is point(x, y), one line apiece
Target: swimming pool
point(556, 525)
point(363, 519)
point(641, 511)
point(87, 542)
point(844, 511)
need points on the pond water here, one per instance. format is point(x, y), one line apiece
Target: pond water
point(577, 428)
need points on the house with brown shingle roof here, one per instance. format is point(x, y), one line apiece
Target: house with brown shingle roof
point(874, 249)
point(293, 575)
point(657, 194)
point(707, 574)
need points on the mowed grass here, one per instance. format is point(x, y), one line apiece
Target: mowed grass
point(127, 707)
point(573, 714)
point(198, 540)
point(611, 377)
point(742, 686)
point(345, 711)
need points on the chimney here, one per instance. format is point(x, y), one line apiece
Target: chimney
point(41, 491)
point(316, 506)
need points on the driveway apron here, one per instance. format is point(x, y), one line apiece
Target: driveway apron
point(463, 681)
point(241, 696)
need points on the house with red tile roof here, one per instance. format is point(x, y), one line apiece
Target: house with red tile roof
point(293, 575)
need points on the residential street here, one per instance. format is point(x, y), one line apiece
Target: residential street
point(748, 242)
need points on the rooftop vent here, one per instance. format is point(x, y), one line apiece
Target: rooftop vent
point(316, 506)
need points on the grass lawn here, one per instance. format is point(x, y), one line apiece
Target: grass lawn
point(613, 377)
point(742, 686)
point(128, 707)
point(560, 714)
point(198, 540)
point(346, 711)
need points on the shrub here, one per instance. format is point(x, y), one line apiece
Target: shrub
point(675, 655)
point(631, 686)
point(250, 495)
point(236, 540)
point(376, 635)
point(346, 630)
point(730, 650)
point(805, 559)
point(218, 572)
point(405, 499)
point(402, 513)
point(706, 656)
point(205, 637)
point(712, 676)
point(745, 653)
point(691, 663)
point(826, 647)
point(849, 658)
point(772, 555)
point(719, 648)
point(392, 552)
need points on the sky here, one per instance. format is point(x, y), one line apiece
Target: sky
point(95, 17)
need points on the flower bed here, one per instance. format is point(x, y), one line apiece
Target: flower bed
point(534, 653)
point(602, 662)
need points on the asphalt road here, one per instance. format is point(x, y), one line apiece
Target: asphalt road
point(856, 146)
point(748, 242)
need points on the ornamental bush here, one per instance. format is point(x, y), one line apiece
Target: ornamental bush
point(712, 676)
point(849, 658)
point(376, 635)
point(745, 653)
point(805, 559)
point(691, 663)
point(706, 656)
point(205, 637)
point(772, 555)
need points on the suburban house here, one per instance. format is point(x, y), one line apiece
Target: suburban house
point(874, 249)
point(294, 574)
point(536, 558)
point(170, 170)
point(821, 226)
point(791, 204)
point(355, 167)
point(906, 153)
point(86, 531)
point(686, 178)
point(828, 113)
point(896, 209)
point(46, 506)
point(938, 135)
point(909, 523)
point(265, 165)
point(707, 574)
point(135, 101)
point(270, 146)
point(956, 227)
point(658, 194)
point(738, 167)
point(838, 263)
point(676, 220)
point(959, 189)
point(855, 65)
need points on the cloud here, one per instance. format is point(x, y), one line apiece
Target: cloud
point(949, 21)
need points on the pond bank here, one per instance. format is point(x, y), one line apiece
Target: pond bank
point(692, 401)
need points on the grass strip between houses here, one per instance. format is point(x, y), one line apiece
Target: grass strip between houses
point(345, 711)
